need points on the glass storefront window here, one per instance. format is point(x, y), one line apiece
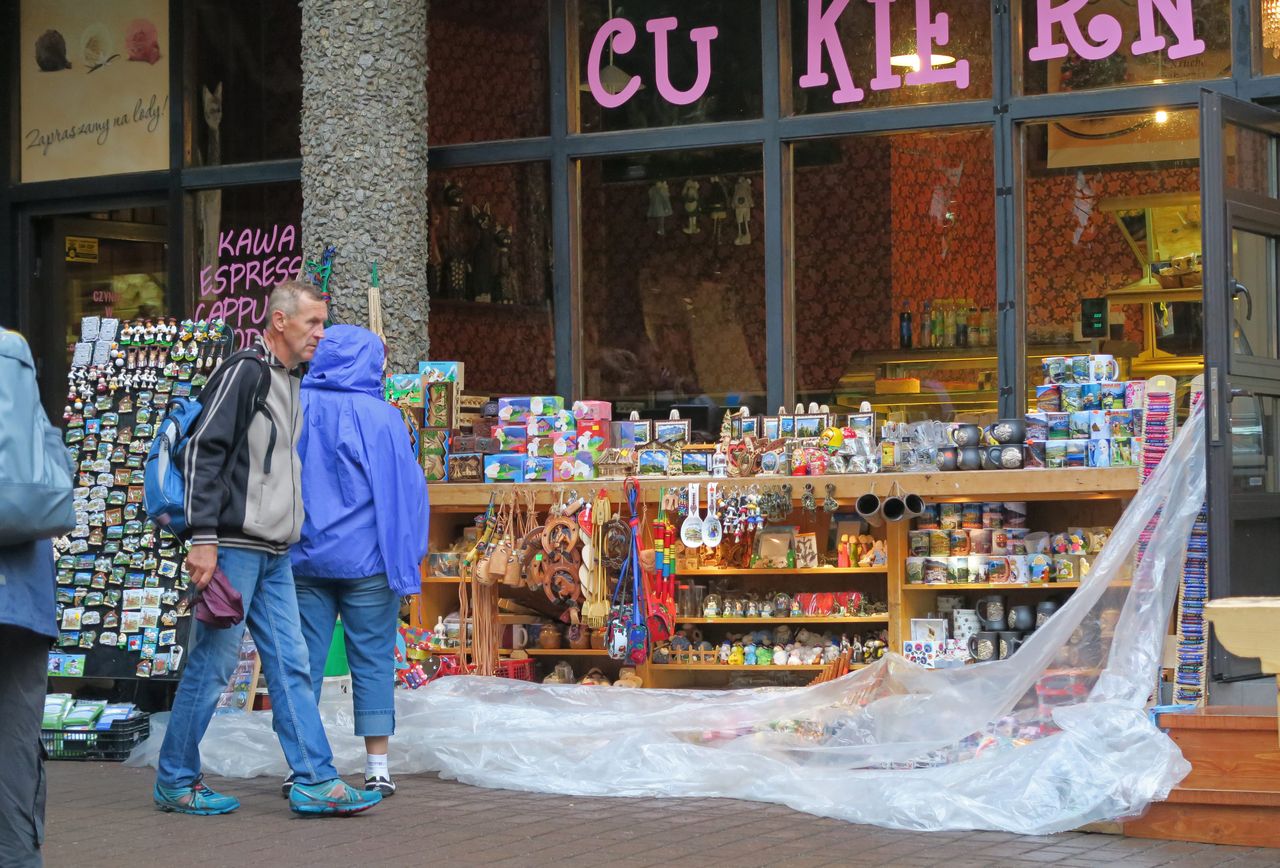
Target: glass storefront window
point(662, 63)
point(672, 278)
point(1266, 40)
point(244, 100)
point(1116, 43)
point(1112, 212)
point(487, 76)
point(244, 241)
point(490, 276)
point(880, 47)
point(894, 263)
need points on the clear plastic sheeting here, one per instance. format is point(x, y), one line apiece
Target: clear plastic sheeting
point(1052, 738)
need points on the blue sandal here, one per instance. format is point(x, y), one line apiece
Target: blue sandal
point(195, 799)
point(318, 800)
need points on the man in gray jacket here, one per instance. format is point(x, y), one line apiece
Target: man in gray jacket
point(244, 508)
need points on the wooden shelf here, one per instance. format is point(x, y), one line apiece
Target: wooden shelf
point(808, 619)
point(565, 652)
point(797, 571)
point(974, 485)
point(743, 667)
point(984, 586)
point(441, 580)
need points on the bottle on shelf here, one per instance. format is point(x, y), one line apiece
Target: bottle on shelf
point(904, 330)
point(926, 326)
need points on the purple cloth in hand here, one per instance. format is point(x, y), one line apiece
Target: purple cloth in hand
point(220, 605)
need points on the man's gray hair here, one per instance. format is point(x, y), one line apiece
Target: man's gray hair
point(285, 297)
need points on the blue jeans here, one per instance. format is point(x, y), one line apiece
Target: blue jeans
point(271, 612)
point(369, 610)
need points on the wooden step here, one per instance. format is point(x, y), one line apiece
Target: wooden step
point(1232, 795)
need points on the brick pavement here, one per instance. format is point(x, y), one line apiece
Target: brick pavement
point(101, 814)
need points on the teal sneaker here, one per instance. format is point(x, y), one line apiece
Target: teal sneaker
point(195, 799)
point(330, 799)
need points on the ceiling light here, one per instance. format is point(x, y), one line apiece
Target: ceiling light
point(912, 61)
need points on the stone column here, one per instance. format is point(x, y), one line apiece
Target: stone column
point(364, 160)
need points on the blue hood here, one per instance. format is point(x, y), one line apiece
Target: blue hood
point(348, 359)
point(364, 495)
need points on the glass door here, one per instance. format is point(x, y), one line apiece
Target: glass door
point(1241, 220)
point(98, 263)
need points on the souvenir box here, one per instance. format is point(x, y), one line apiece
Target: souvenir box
point(573, 468)
point(504, 467)
point(511, 438)
point(561, 420)
point(404, 390)
point(592, 411)
point(466, 467)
point(440, 405)
point(470, 443)
point(520, 410)
point(538, 469)
point(433, 449)
point(634, 432)
point(442, 372)
point(594, 436)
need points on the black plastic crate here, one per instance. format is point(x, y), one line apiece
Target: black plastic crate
point(110, 745)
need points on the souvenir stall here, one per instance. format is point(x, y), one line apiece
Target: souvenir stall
point(794, 548)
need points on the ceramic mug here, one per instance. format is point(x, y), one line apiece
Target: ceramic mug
point(991, 611)
point(1044, 611)
point(970, 458)
point(1009, 642)
point(1057, 369)
point(519, 636)
point(1104, 369)
point(914, 504)
point(947, 457)
point(893, 508)
point(984, 645)
point(966, 434)
point(1022, 618)
point(1007, 431)
point(1080, 368)
point(964, 623)
point(1012, 456)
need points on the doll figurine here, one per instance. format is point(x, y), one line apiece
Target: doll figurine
point(660, 205)
point(724, 653)
point(717, 206)
point(842, 555)
point(743, 201)
point(692, 206)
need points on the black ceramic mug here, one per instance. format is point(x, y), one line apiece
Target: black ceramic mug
point(1009, 642)
point(1022, 618)
point(1045, 610)
point(991, 612)
point(984, 645)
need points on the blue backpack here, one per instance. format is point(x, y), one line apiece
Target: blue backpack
point(163, 486)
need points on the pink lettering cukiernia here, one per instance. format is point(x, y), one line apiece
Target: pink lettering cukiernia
point(1104, 30)
point(701, 38)
point(886, 78)
point(623, 34)
point(1180, 17)
point(824, 40)
point(931, 30)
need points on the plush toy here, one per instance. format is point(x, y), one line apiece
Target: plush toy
point(725, 652)
point(779, 655)
point(782, 634)
point(736, 656)
point(749, 655)
point(764, 656)
point(691, 201)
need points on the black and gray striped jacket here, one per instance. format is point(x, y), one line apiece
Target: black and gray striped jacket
point(241, 468)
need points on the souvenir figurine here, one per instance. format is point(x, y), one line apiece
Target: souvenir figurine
point(692, 206)
point(743, 202)
point(736, 655)
point(717, 206)
point(749, 655)
point(660, 205)
point(725, 651)
point(764, 656)
point(779, 655)
point(753, 609)
point(796, 610)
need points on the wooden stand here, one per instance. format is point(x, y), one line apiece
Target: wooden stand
point(1057, 499)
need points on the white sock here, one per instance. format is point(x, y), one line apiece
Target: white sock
point(375, 766)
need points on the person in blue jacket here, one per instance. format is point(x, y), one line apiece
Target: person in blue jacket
point(365, 531)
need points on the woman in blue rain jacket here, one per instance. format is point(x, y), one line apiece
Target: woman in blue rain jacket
point(365, 530)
